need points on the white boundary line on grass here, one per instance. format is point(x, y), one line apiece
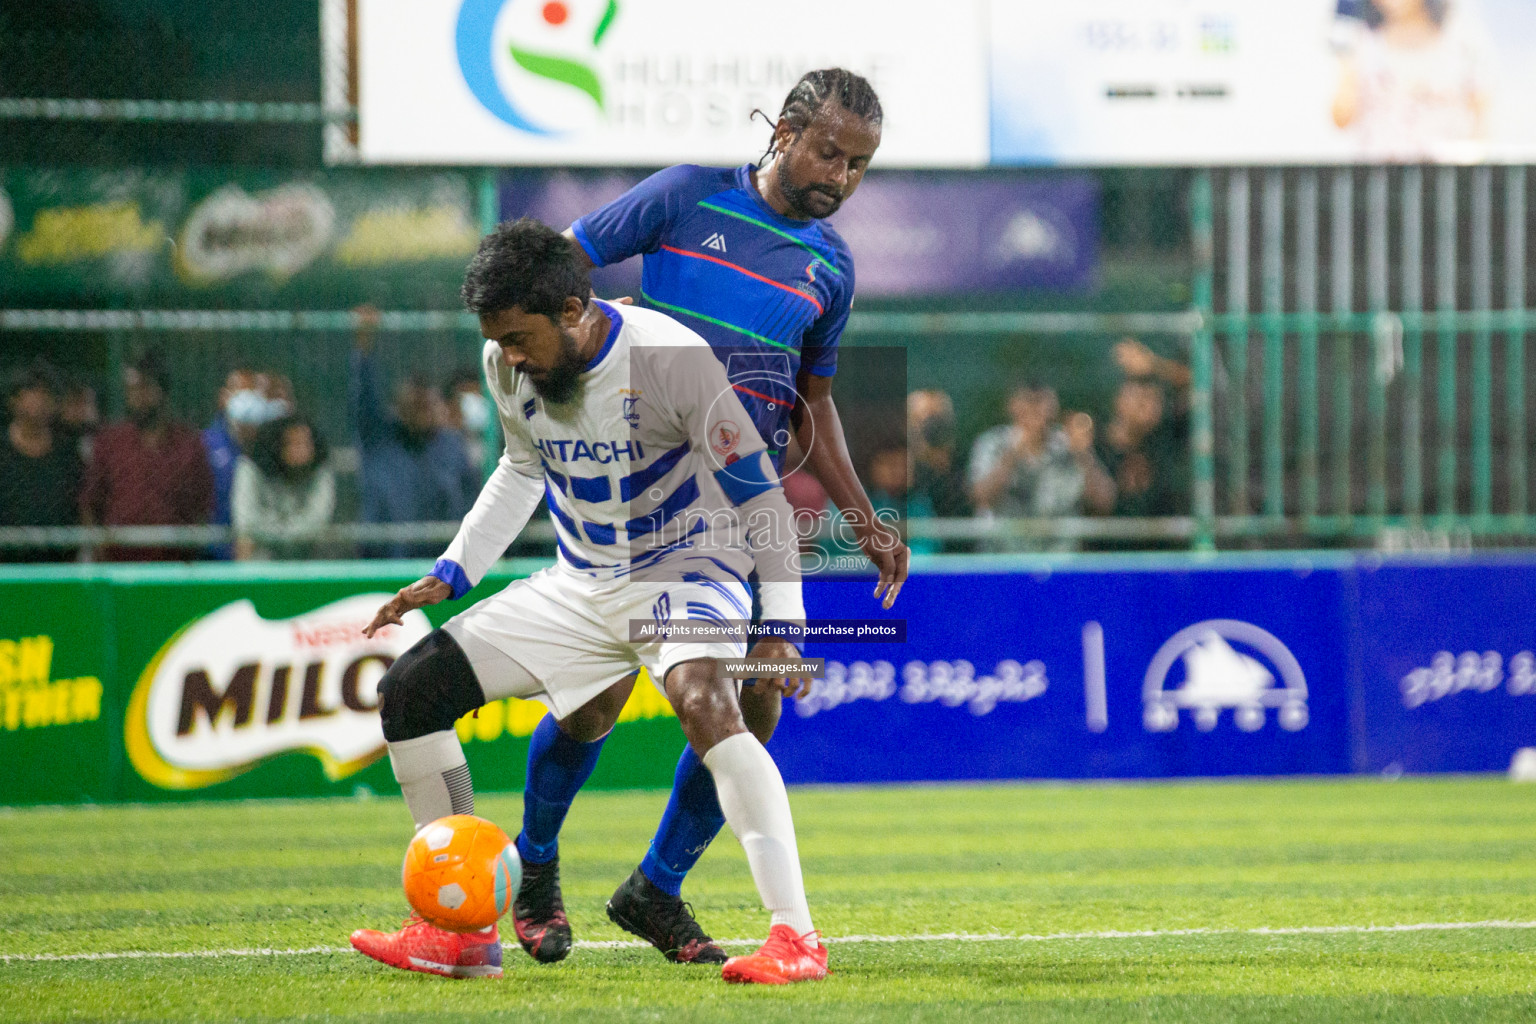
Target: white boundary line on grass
point(1333, 929)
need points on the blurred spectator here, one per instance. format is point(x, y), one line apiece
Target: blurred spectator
point(887, 481)
point(808, 500)
point(414, 469)
point(221, 441)
point(148, 470)
point(245, 403)
point(938, 485)
point(80, 417)
point(469, 412)
point(1145, 448)
point(40, 468)
point(1031, 467)
point(278, 390)
point(284, 491)
point(890, 480)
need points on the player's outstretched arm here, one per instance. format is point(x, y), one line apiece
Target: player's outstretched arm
point(500, 512)
point(819, 430)
point(504, 503)
point(425, 591)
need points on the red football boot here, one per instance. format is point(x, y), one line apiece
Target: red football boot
point(420, 946)
point(784, 958)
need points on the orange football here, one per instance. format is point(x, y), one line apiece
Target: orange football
point(461, 873)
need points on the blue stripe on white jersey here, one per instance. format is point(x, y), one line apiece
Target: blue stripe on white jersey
point(673, 505)
point(623, 462)
point(631, 486)
point(698, 577)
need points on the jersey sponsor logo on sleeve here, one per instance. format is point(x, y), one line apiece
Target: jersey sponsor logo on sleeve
point(724, 436)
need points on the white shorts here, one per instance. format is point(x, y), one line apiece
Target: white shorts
point(561, 638)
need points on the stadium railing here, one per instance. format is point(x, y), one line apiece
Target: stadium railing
point(1308, 468)
point(1324, 471)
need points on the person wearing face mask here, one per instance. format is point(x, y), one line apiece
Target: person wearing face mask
point(149, 469)
point(284, 491)
point(468, 411)
point(414, 466)
point(246, 401)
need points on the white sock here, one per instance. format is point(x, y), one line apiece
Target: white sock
point(433, 776)
point(756, 806)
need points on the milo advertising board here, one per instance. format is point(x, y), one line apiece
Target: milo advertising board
point(208, 682)
point(232, 690)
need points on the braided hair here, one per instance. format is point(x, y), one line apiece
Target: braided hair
point(850, 91)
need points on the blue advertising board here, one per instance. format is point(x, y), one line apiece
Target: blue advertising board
point(1083, 673)
point(1448, 671)
point(1152, 667)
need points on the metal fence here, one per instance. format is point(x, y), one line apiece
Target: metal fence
point(1357, 335)
point(1344, 405)
point(1370, 420)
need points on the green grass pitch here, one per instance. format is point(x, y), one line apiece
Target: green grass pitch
point(1064, 868)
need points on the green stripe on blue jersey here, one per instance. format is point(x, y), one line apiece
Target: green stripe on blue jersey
point(706, 204)
point(718, 323)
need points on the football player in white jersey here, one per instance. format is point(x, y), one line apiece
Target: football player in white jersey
point(664, 500)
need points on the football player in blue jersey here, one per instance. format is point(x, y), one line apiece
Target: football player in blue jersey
point(744, 257)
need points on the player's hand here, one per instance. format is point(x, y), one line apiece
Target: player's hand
point(883, 546)
point(425, 591)
point(775, 648)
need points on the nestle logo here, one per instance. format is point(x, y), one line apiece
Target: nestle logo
point(329, 634)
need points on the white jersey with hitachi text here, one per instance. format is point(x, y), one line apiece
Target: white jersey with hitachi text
point(653, 458)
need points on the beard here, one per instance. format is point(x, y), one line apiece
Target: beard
point(813, 202)
point(560, 382)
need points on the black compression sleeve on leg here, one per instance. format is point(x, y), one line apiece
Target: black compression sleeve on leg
point(427, 689)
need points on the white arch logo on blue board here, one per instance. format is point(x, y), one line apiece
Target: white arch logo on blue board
point(1228, 664)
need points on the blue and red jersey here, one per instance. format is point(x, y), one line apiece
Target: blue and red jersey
point(771, 295)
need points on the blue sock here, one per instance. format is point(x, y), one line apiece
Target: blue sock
point(692, 820)
point(557, 768)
